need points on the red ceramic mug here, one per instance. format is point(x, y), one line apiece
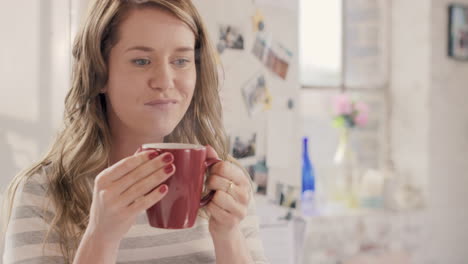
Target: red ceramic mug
point(179, 208)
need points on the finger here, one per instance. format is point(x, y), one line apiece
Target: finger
point(145, 202)
point(144, 170)
point(226, 202)
point(138, 150)
point(146, 185)
point(211, 152)
point(224, 169)
point(239, 193)
point(123, 167)
point(218, 213)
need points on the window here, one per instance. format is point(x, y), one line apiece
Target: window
point(343, 43)
point(320, 41)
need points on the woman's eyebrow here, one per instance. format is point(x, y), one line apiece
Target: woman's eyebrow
point(183, 49)
point(142, 48)
point(149, 49)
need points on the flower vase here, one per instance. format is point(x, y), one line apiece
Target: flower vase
point(346, 165)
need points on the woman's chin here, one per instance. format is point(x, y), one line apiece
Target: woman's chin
point(159, 132)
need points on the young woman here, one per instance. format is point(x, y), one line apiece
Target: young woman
point(144, 72)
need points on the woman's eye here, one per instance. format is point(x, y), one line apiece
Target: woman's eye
point(141, 62)
point(181, 62)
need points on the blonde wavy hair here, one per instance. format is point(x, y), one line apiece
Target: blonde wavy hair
point(81, 150)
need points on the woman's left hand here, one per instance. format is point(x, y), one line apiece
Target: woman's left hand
point(229, 204)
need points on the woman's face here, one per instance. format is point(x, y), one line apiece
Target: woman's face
point(152, 74)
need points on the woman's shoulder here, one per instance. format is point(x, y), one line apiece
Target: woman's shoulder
point(38, 178)
point(32, 189)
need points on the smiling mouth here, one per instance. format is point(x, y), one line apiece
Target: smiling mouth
point(161, 102)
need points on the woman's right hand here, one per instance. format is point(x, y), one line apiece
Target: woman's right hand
point(124, 190)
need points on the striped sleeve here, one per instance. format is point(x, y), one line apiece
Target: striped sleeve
point(26, 233)
point(250, 229)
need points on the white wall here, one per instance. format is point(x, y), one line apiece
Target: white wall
point(430, 126)
point(409, 92)
point(34, 77)
point(447, 218)
point(20, 77)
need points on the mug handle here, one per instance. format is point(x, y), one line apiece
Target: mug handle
point(207, 198)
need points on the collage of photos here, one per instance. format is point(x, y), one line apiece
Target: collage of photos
point(244, 149)
point(255, 92)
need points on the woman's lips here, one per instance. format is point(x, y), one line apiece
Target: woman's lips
point(162, 104)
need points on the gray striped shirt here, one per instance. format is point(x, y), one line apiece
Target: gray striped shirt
point(141, 245)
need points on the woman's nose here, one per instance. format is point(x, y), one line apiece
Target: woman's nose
point(161, 78)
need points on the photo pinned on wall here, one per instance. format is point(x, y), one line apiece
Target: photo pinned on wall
point(286, 195)
point(256, 94)
point(259, 174)
point(244, 147)
point(261, 46)
point(458, 32)
point(278, 60)
point(273, 55)
point(230, 37)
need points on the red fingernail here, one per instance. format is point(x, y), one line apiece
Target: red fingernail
point(163, 188)
point(169, 168)
point(153, 155)
point(168, 158)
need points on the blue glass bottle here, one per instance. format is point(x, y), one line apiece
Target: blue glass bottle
point(308, 205)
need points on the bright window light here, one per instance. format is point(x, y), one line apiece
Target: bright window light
point(320, 42)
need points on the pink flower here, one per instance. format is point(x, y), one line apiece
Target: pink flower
point(362, 116)
point(361, 119)
point(342, 105)
point(362, 107)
